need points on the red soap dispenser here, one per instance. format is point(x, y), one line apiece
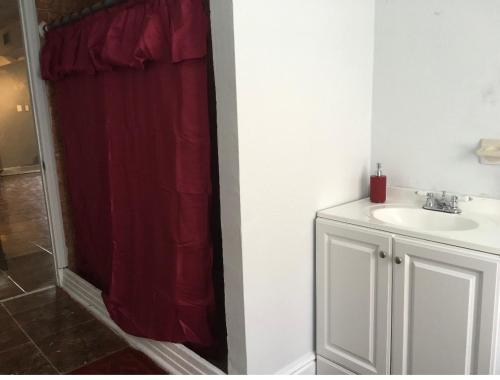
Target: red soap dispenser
point(378, 186)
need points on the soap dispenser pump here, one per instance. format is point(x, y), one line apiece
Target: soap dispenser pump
point(378, 186)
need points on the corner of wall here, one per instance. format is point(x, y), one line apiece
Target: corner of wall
point(372, 84)
point(227, 130)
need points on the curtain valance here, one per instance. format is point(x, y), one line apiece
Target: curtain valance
point(127, 35)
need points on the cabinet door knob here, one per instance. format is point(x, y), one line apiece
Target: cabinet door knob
point(382, 255)
point(398, 260)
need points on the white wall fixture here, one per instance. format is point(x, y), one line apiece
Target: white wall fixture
point(489, 152)
point(41, 29)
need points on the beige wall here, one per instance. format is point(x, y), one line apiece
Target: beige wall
point(14, 49)
point(18, 144)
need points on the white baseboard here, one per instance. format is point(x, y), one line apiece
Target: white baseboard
point(305, 365)
point(307, 369)
point(326, 367)
point(176, 359)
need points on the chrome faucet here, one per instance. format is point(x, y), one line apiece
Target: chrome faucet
point(443, 204)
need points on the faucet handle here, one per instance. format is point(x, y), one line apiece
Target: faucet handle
point(443, 195)
point(454, 205)
point(430, 200)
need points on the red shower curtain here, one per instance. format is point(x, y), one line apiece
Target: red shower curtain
point(130, 86)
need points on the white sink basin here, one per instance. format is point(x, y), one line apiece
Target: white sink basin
point(423, 219)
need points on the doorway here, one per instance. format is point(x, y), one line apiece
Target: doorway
point(26, 253)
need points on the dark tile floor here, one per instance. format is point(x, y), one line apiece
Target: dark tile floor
point(49, 333)
point(26, 262)
point(124, 362)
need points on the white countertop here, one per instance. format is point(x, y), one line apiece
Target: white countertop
point(485, 212)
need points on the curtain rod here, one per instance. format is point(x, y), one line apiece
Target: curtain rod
point(68, 19)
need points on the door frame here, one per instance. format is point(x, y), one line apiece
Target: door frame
point(43, 126)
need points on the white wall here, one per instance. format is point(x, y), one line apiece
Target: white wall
point(437, 92)
point(303, 79)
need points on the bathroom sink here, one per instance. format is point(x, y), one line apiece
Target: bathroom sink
point(423, 219)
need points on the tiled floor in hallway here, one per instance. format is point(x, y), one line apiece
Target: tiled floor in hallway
point(49, 333)
point(26, 262)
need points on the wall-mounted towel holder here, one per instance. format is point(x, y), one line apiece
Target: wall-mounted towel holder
point(489, 152)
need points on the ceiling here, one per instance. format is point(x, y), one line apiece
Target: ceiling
point(8, 11)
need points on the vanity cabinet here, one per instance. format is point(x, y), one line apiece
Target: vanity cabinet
point(388, 304)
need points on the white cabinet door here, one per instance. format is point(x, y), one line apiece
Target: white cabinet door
point(353, 296)
point(443, 309)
